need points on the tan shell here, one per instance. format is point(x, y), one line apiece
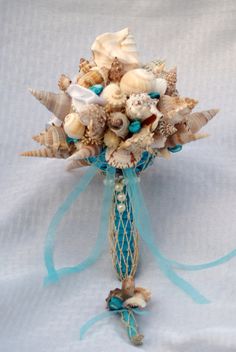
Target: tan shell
point(119, 124)
point(122, 158)
point(197, 120)
point(58, 104)
point(46, 153)
point(142, 81)
point(128, 287)
point(155, 66)
point(165, 128)
point(94, 76)
point(111, 140)
point(139, 141)
point(73, 126)
point(116, 71)
point(75, 164)
point(94, 117)
point(114, 97)
point(183, 138)
point(85, 65)
point(120, 44)
point(141, 106)
point(85, 151)
point(171, 78)
point(54, 137)
point(64, 82)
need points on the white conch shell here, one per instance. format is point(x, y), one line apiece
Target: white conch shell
point(59, 104)
point(141, 106)
point(73, 126)
point(119, 124)
point(199, 119)
point(114, 97)
point(122, 158)
point(141, 81)
point(120, 44)
point(81, 95)
point(85, 151)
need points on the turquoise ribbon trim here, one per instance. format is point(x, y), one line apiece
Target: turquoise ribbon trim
point(86, 326)
point(53, 274)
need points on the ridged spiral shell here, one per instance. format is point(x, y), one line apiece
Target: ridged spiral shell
point(119, 124)
point(114, 97)
point(73, 126)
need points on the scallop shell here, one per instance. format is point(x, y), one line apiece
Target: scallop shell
point(54, 137)
point(64, 82)
point(122, 158)
point(116, 71)
point(114, 97)
point(183, 138)
point(75, 164)
point(197, 120)
point(94, 76)
point(120, 44)
point(119, 124)
point(73, 126)
point(85, 151)
point(111, 140)
point(46, 153)
point(58, 104)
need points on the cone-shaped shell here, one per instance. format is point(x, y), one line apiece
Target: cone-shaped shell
point(46, 153)
point(199, 119)
point(54, 137)
point(116, 71)
point(75, 164)
point(183, 138)
point(85, 151)
point(121, 44)
point(73, 126)
point(58, 104)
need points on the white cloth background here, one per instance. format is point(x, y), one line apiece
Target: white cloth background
point(191, 197)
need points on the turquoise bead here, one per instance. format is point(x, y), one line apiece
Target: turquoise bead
point(135, 126)
point(154, 95)
point(176, 148)
point(71, 140)
point(97, 89)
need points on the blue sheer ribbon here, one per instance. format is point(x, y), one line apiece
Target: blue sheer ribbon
point(85, 327)
point(53, 274)
point(143, 222)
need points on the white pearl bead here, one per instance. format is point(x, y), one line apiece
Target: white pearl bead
point(118, 187)
point(121, 208)
point(121, 197)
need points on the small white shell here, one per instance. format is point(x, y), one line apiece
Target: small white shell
point(114, 97)
point(141, 106)
point(73, 127)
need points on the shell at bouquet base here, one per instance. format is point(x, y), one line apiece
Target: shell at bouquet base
point(76, 164)
point(140, 106)
point(116, 71)
point(122, 158)
point(119, 124)
point(120, 44)
point(54, 137)
point(139, 299)
point(197, 120)
point(183, 138)
point(64, 82)
point(58, 104)
point(111, 140)
point(114, 97)
point(94, 76)
point(46, 153)
point(85, 151)
point(73, 126)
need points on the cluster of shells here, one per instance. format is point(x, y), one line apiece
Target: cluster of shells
point(118, 104)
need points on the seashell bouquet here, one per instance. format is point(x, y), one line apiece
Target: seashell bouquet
point(116, 116)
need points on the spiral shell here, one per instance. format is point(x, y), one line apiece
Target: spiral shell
point(141, 81)
point(114, 97)
point(94, 76)
point(64, 82)
point(58, 104)
point(119, 124)
point(54, 137)
point(47, 153)
point(197, 120)
point(75, 164)
point(73, 126)
point(85, 66)
point(85, 151)
point(183, 138)
point(121, 44)
point(116, 71)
